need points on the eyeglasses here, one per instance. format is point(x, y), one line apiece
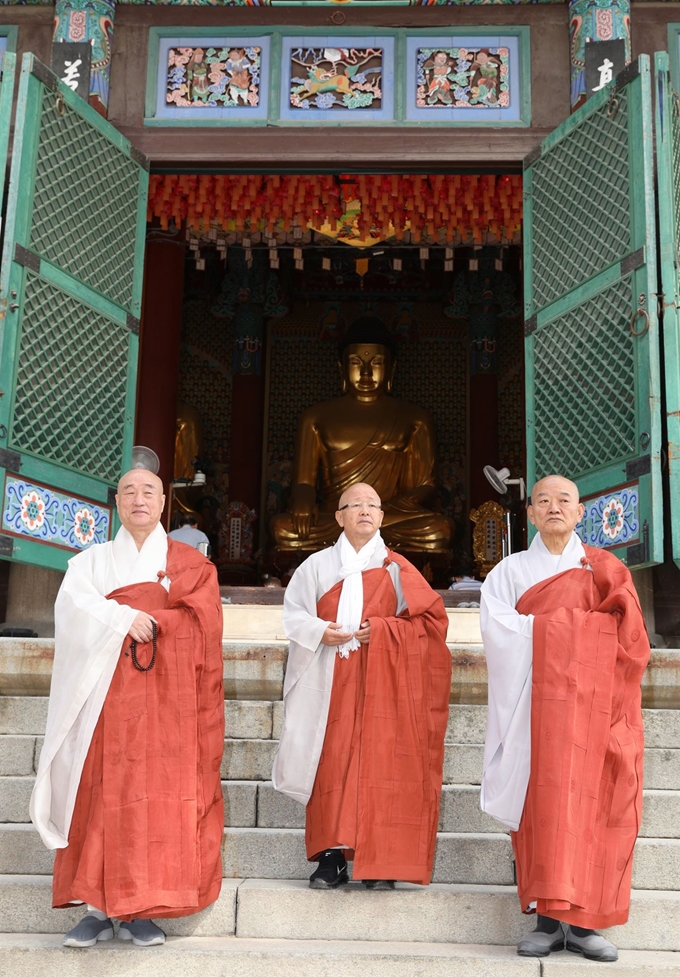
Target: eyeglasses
point(360, 505)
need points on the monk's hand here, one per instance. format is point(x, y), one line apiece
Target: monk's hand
point(141, 629)
point(363, 635)
point(334, 635)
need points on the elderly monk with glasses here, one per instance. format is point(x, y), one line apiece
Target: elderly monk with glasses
point(365, 705)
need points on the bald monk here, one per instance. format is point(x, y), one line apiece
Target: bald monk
point(366, 435)
point(566, 647)
point(128, 788)
point(365, 705)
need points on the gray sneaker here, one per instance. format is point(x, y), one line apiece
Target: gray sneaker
point(593, 946)
point(540, 944)
point(142, 932)
point(88, 931)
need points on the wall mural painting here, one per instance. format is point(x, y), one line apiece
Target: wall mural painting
point(463, 77)
point(336, 78)
point(212, 77)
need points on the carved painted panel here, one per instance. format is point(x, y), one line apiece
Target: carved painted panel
point(613, 519)
point(348, 79)
point(471, 79)
point(49, 516)
point(463, 77)
point(201, 78)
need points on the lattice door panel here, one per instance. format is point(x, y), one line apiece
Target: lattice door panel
point(668, 184)
point(71, 282)
point(59, 414)
point(581, 203)
point(592, 358)
point(82, 220)
point(592, 382)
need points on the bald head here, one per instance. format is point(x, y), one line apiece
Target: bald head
point(555, 510)
point(359, 493)
point(140, 502)
point(137, 475)
point(552, 482)
point(359, 514)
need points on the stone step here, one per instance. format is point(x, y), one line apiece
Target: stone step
point(250, 804)
point(251, 759)
point(267, 909)
point(254, 670)
point(249, 719)
point(279, 853)
point(26, 907)
point(436, 913)
point(26, 955)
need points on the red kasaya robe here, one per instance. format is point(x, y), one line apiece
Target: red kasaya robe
point(574, 846)
point(379, 778)
point(145, 839)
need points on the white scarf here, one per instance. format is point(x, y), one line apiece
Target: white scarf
point(351, 602)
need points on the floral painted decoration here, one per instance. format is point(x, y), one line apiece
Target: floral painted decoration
point(32, 510)
point(613, 517)
point(84, 526)
point(463, 78)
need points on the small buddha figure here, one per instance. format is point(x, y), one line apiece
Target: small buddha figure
point(366, 435)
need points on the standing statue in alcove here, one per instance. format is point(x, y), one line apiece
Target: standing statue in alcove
point(366, 435)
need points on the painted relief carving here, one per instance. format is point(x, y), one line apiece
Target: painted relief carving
point(611, 519)
point(463, 77)
point(50, 516)
point(336, 78)
point(212, 77)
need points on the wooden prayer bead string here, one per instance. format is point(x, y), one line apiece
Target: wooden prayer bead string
point(133, 649)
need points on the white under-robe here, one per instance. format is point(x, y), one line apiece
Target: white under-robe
point(89, 633)
point(507, 638)
point(309, 672)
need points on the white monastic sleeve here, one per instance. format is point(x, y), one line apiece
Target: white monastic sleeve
point(507, 638)
point(300, 622)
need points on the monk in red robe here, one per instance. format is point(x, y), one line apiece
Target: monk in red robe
point(128, 788)
point(566, 648)
point(366, 705)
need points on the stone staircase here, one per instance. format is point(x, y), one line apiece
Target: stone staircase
point(267, 921)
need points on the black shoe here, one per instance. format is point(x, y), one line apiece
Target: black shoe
point(332, 870)
point(378, 884)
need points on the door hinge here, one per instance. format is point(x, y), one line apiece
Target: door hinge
point(639, 553)
point(632, 261)
point(625, 77)
point(530, 324)
point(26, 258)
point(638, 467)
point(10, 460)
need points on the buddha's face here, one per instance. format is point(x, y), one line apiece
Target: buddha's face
point(367, 370)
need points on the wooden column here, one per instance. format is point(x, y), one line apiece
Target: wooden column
point(158, 376)
point(591, 21)
point(90, 20)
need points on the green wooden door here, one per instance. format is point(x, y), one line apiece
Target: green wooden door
point(592, 356)
point(70, 299)
point(668, 168)
point(7, 72)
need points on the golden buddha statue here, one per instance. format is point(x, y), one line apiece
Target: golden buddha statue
point(366, 435)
